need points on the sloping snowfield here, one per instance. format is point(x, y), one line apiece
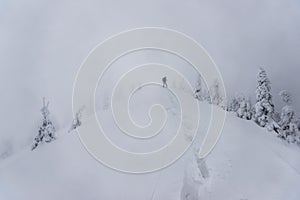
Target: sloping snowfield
point(247, 163)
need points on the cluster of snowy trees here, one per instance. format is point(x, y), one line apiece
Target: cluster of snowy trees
point(46, 131)
point(241, 106)
point(262, 112)
point(202, 94)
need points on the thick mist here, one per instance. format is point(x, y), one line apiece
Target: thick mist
point(43, 43)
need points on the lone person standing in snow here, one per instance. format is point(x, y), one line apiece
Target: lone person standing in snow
point(164, 80)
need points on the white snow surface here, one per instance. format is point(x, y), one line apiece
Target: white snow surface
point(247, 163)
point(42, 46)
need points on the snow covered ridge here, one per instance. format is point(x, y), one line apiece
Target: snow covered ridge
point(145, 75)
point(247, 163)
point(245, 160)
point(284, 123)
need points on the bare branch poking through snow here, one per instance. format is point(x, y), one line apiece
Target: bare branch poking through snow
point(77, 120)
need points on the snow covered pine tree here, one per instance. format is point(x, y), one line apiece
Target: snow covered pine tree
point(264, 107)
point(46, 130)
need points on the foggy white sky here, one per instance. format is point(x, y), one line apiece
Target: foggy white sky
point(42, 44)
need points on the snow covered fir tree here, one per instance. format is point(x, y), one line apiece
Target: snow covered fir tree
point(46, 132)
point(264, 107)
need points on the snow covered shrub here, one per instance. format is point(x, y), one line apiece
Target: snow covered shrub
point(234, 104)
point(46, 131)
point(264, 107)
point(291, 134)
point(241, 106)
point(297, 130)
point(288, 125)
point(216, 96)
point(206, 96)
point(285, 123)
point(198, 94)
point(286, 97)
point(76, 121)
point(297, 122)
point(244, 110)
point(201, 93)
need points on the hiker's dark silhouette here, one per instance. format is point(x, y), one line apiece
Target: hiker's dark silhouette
point(164, 80)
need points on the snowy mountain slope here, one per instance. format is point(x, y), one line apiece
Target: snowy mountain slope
point(250, 163)
point(247, 163)
point(43, 44)
point(64, 169)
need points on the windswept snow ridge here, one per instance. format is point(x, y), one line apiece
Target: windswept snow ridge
point(247, 163)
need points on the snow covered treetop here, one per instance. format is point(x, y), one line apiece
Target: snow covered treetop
point(45, 111)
